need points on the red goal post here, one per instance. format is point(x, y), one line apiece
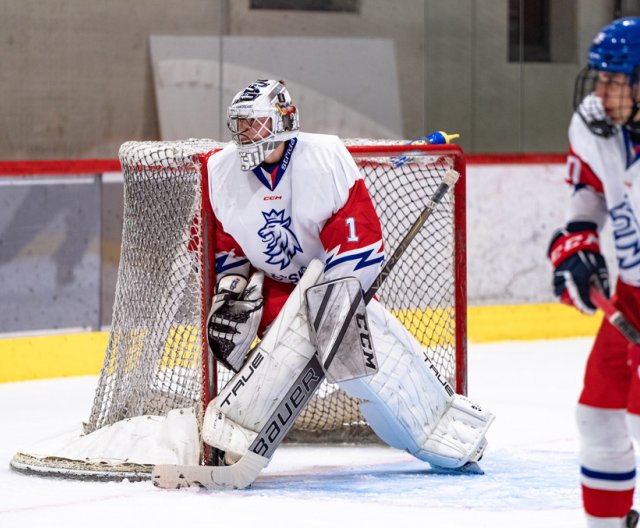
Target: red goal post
point(458, 207)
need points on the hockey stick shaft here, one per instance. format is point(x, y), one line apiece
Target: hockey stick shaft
point(246, 470)
point(615, 316)
point(448, 180)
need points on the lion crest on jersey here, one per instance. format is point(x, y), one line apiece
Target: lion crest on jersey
point(282, 243)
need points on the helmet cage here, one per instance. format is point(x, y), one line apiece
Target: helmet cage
point(590, 108)
point(262, 123)
point(616, 50)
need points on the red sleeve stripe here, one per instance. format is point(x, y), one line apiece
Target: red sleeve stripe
point(580, 173)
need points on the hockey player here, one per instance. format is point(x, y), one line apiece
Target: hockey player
point(604, 171)
point(285, 201)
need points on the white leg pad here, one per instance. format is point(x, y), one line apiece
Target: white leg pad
point(234, 417)
point(459, 435)
point(220, 431)
point(408, 404)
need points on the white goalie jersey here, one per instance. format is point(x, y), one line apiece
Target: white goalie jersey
point(312, 204)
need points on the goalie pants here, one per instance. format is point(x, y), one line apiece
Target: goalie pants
point(275, 295)
point(608, 416)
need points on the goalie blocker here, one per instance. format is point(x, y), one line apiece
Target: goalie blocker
point(406, 402)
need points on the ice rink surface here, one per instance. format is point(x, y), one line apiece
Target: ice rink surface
point(531, 463)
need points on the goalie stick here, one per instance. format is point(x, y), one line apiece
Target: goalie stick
point(244, 472)
point(615, 316)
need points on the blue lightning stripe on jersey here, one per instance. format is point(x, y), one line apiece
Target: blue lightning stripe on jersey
point(222, 265)
point(362, 257)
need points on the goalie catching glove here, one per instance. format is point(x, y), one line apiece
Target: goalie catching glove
point(233, 321)
point(578, 264)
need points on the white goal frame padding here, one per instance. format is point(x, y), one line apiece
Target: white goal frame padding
point(136, 443)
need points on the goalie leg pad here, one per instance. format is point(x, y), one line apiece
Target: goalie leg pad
point(459, 436)
point(220, 431)
point(254, 393)
point(410, 406)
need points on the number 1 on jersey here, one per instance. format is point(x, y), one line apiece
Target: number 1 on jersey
point(351, 224)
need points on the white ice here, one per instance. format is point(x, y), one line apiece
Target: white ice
point(531, 466)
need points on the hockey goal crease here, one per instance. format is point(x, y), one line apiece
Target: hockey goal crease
point(158, 377)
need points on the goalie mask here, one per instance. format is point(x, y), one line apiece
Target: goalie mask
point(260, 118)
point(606, 91)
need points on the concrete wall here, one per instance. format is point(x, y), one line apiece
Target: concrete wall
point(512, 212)
point(76, 80)
point(402, 22)
point(75, 75)
point(497, 105)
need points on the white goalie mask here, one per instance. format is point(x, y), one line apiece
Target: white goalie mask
point(260, 118)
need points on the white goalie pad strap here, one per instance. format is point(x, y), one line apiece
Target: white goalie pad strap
point(220, 431)
point(408, 401)
point(252, 395)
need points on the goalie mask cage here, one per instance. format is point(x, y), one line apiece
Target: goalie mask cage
point(157, 359)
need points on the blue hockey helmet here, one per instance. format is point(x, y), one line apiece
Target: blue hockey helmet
point(616, 47)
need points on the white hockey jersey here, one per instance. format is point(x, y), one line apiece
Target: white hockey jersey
point(312, 204)
point(605, 173)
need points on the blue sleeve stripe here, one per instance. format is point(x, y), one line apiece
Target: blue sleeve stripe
point(221, 267)
point(362, 257)
point(601, 475)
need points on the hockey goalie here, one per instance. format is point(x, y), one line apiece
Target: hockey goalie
point(293, 220)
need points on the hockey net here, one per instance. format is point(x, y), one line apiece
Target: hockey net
point(156, 362)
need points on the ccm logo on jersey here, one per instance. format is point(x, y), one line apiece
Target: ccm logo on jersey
point(365, 342)
point(253, 366)
point(272, 198)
